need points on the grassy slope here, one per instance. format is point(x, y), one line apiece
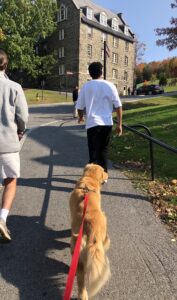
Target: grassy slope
point(48, 97)
point(167, 88)
point(160, 115)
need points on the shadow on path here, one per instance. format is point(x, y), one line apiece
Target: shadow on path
point(30, 261)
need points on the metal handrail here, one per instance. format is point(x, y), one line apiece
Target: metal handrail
point(151, 148)
point(152, 141)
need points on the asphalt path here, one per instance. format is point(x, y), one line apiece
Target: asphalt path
point(34, 266)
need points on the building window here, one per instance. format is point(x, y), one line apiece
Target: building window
point(126, 61)
point(89, 13)
point(103, 19)
point(115, 42)
point(115, 25)
point(102, 54)
point(114, 74)
point(90, 31)
point(126, 46)
point(61, 52)
point(115, 58)
point(89, 50)
point(62, 13)
point(125, 75)
point(61, 69)
point(103, 37)
point(61, 34)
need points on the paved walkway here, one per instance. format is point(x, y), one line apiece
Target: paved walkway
point(35, 264)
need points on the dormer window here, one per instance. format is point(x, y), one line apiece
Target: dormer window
point(89, 13)
point(103, 19)
point(126, 30)
point(115, 24)
point(62, 13)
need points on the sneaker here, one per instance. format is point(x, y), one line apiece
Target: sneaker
point(4, 230)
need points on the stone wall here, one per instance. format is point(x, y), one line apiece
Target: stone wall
point(71, 50)
point(97, 45)
point(76, 59)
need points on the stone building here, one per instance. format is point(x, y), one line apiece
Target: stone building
point(83, 26)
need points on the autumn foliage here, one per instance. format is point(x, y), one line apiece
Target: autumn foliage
point(155, 69)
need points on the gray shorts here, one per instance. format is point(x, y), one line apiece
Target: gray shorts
point(9, 165)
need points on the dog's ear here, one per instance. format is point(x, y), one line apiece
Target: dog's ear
point(87, 167)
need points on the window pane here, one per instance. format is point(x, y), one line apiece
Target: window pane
point(89, 50)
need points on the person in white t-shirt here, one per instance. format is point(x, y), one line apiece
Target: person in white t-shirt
point(99, 97)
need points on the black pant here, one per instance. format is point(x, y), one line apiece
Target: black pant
point(98, 142)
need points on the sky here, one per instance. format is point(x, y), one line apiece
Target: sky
point(143, 16)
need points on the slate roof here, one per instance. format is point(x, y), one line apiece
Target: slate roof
point(110, 15)
point(96, 8)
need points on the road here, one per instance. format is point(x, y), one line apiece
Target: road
point(35, 264)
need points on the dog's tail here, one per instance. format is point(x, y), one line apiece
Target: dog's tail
point(98, 269)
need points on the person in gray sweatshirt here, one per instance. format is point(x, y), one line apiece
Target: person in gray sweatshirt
point(13, 120)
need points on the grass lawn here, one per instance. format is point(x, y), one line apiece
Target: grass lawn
point(132, 153)
point(35, 97)
point(160, 115)
point(169, 88)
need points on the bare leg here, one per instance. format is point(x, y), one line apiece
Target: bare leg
point(9, 192)
point(7, 200)
point(82, 293)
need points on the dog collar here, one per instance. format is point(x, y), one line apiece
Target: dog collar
point(86, 189)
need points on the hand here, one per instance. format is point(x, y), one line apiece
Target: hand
point(20, 135)
point(80, 120)
point(119, 130)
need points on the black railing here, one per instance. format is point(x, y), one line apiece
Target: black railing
point(152, 141)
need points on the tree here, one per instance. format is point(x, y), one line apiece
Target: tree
point(147, 73)
point(2, 35)
point(22, 24)
point(153, 78)
point(139, 76)
point(170, 41)
point(140, 48)
point(173, 67)
point(162, 79)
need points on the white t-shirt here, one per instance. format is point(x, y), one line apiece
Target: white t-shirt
point(99, 97)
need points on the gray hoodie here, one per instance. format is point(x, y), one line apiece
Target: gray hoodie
point(13, 114)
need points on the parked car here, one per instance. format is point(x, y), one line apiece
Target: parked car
point(152, 89)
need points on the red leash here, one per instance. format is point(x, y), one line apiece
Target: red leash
point(75, 257)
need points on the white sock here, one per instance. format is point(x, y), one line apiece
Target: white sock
point(4, 213)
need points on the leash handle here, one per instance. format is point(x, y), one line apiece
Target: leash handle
point(75, 257)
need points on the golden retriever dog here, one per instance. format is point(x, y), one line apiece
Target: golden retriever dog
point(93, 267)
